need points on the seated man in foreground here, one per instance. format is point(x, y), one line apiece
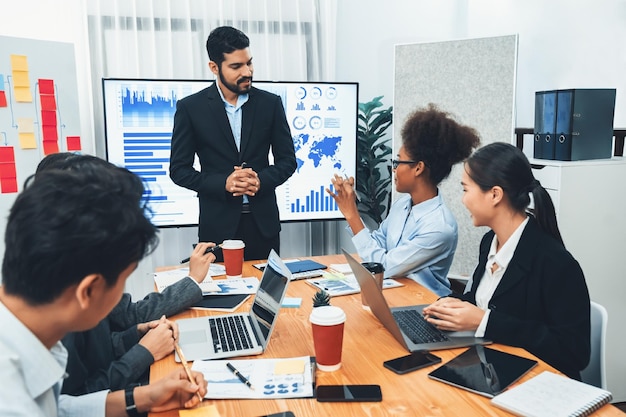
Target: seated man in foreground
point(72, 239)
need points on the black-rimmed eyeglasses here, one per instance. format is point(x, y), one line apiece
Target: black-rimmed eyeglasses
point(396, 162)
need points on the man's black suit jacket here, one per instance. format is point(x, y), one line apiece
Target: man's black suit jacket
point(201, 127)
point(542, 302)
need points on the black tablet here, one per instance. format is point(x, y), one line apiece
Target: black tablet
point(483, 370)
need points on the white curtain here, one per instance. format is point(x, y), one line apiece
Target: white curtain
point(290, 40)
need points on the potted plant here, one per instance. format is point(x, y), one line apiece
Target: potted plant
point(373, 155)
point(321, 298)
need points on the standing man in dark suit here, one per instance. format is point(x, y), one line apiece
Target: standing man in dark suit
point(232, 126)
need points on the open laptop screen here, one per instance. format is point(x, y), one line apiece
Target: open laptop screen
point(269, 297)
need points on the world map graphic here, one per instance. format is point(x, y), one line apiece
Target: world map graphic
point(314, 151)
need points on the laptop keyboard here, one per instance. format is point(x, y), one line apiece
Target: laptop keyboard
point(417, 328)
point(229, 334)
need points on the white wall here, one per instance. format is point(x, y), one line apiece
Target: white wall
point(562, 44)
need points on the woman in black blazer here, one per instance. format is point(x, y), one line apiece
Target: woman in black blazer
point(527, 290)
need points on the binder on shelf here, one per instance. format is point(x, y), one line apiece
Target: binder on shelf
point(545, 124)
point(584, 124)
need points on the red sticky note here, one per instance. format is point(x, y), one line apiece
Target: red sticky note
point(46, 86)
point(50, 147)
point(48, 102)
point(73, 143)
point(3, 99)
point(50, 133)
point(48, 118)
point(7, 154)
point(9, 185)
point(7, 170)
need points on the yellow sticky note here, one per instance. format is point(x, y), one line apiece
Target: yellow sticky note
point(19, 63)
point(335, 276)
point(22, 94)
point(289, 367)
point(20, 79)
point(25, 125)
point(27, 140)
point(207, 411)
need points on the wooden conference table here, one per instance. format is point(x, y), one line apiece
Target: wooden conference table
point(366, 345)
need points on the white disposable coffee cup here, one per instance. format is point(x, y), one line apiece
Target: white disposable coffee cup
point(327, 324)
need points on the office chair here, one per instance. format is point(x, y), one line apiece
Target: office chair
point(595, 372)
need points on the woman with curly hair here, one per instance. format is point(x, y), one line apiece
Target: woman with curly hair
point(419, 236)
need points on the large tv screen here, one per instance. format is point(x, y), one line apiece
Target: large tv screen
point(322, 116)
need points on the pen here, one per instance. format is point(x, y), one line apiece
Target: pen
point(187, 370)
point(238, 374)
point(209, 250)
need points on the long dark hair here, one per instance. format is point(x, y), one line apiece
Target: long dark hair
point(506, 166)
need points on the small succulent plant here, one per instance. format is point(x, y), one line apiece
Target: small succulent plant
point(321, 298)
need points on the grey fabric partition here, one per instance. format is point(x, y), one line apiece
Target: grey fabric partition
point(474, 79)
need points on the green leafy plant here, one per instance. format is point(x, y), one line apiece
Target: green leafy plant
point(321, 298)
point(373, 155)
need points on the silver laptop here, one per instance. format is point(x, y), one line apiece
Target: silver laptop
point(407, 324)
point(238, 334)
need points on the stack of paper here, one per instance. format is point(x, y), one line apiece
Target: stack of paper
point(164, 279)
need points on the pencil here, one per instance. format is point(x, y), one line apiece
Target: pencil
point(187, 370)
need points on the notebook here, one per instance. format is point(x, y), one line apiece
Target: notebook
point(407, 324)
point(483, 371)
point(552, 395)
point(240, 334)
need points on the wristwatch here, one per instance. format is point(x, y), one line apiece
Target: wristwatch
point(131, 408)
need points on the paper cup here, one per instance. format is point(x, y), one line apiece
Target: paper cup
point(232, 250)
point(327, 324)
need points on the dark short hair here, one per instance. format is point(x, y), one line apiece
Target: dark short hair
point(68, 224)
point(434, 137)
point(224, 40)
point(55, 160)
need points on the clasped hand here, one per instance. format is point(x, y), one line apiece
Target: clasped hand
point(452, 314)
point(243, 181)
point(158, 337)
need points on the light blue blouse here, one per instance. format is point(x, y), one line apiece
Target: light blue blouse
point(413, 241)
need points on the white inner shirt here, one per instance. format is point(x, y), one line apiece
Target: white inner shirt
point(497, 262)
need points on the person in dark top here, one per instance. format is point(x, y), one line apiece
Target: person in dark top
point(119, 351)
point(527, 290)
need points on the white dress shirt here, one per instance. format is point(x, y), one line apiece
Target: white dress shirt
point(32, 376)
point(496, 265)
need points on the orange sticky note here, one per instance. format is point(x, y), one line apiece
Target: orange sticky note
point(48, 102)
point(46, 86)
point(50, 147)
point(73, 143)
point(48, 118)
point(7, 154)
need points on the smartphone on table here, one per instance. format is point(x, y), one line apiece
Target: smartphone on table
point(348, 393)
point(414, 361)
